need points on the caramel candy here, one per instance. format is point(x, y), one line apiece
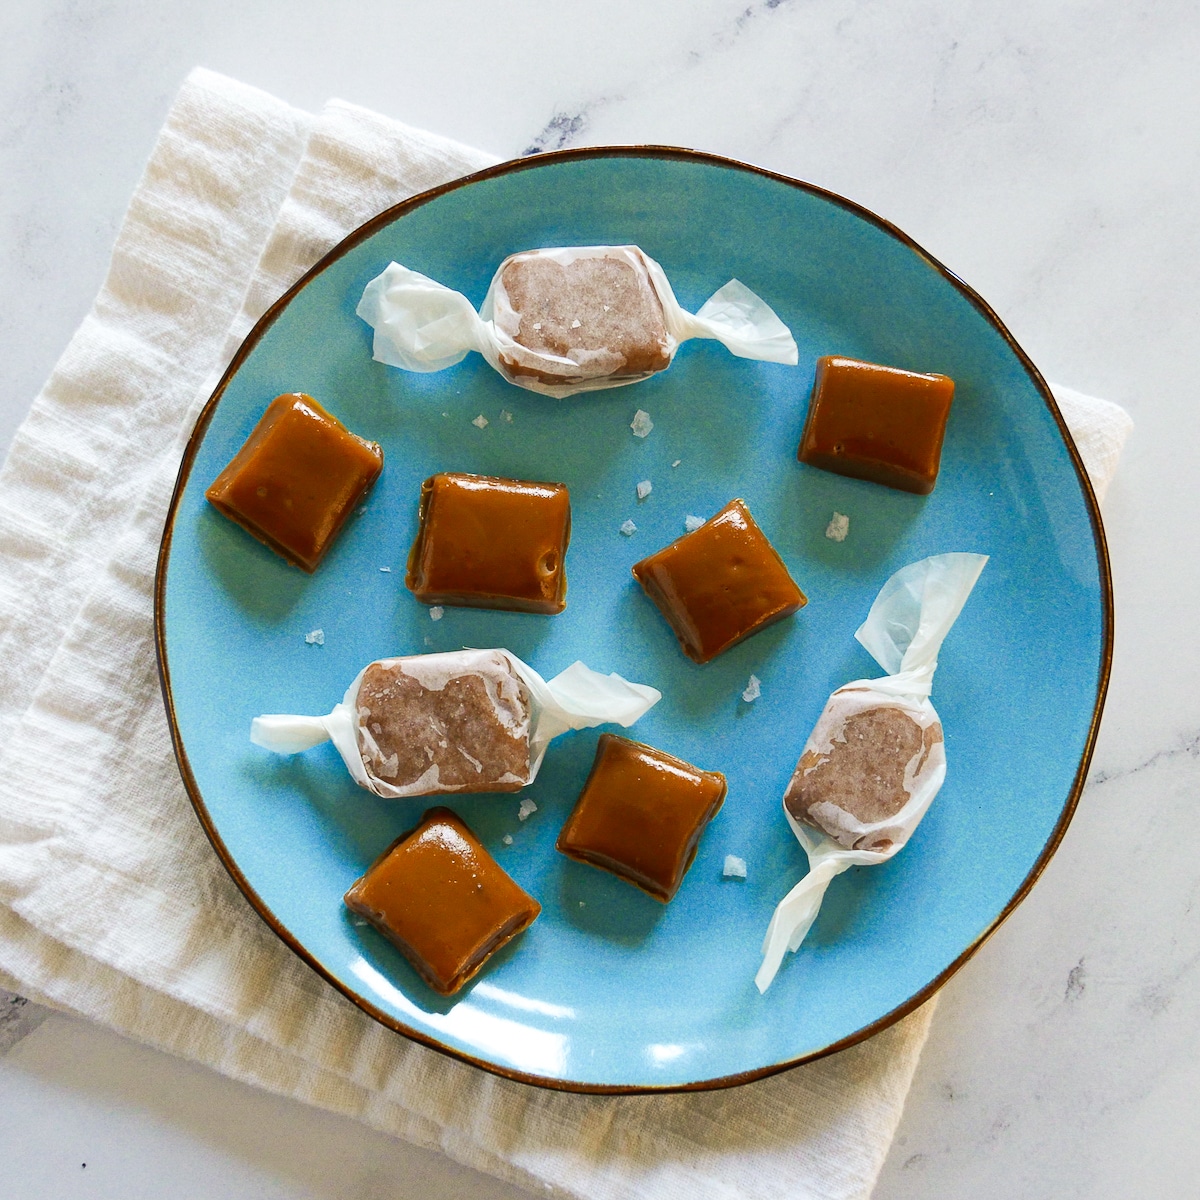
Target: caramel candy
point(296, 479)
point(640, 815)
point(597, 316)
point(455, 722)
point(877, 423)
point(484, 542)
point(865, 772)
point(443, 900)
point(564, 319)
point(720, 583)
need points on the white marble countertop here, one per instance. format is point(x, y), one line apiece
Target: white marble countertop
point(1046, 151)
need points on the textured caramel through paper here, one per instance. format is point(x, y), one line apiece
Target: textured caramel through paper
point(456, 728)
point(864, 772)
point(600, 312)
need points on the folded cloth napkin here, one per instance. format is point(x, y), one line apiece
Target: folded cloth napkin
point(112, 904)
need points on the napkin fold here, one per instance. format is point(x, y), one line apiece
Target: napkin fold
point(112, 904)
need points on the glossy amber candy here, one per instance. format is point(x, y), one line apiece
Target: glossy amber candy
point(640, 815)
point(443, 900)
point(720, 583)
point(484, 542)
point(877, 423)
point(296, 479)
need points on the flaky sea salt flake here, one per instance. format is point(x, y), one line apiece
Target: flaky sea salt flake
point(480, 422)
point(507, 839)
point(735, 868)
point(437, 612)
point(628, 528)
point(753, 690)
point(838, 527)
point(527, 808)
point(386, 570)
point(506, 416)
point(691, 524)
point(316, 638)
point(644, 489)
point(641, 423)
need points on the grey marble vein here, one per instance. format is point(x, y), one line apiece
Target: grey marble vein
point(18, 1018)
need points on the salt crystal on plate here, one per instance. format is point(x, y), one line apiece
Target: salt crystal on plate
point(316, 638)
point(527, 807)
point(691, 524)
point(386, 570)
point(437, 612)
point(507, 839)
point(641, 423)
point(480, 422)
point(753, 689)
point(628, 528)
point(575, 324)
point(644, 489)
point(735, 868)
point(505, 415)
point(837, 528)
point(677, 462)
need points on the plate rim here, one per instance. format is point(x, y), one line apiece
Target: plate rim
point(535, 162)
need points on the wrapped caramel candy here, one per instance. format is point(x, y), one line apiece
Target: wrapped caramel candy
point(876, 757)
point(561, 321)
point(464, 721)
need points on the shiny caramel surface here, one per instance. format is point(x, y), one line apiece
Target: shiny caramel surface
point(719, 584)
point(443, 900)
point(486, 542)
point(877, 423)
point(640, 815)
point(296, 479)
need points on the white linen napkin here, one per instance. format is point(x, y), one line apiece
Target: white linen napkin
point(112, 903)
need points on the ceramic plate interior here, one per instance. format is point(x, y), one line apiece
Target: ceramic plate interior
point(611, 990)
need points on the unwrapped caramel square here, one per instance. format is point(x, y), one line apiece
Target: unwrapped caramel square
point(443, 900)
point(720, 583)
point(640, 815)
point(485, 542)
point(877, 423)
point(296, 479)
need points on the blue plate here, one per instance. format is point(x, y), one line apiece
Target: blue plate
point(610, 990)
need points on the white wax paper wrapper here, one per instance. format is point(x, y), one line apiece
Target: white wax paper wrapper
point(903, 632)
point(421, 325)
point(577, 698)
